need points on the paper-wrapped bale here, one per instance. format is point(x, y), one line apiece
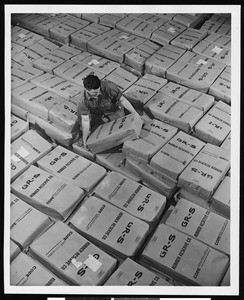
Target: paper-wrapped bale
point(109, 47)
point(160, 61)
point(204, 173)
point(15, 48)
point(151, 18)
point(31, 20)
point(25, 37)
point(114, 133)
point(131, 196)
point(44, 26)
point(18, 127)
point(201, 224)
point(19, 111)
point(44, 47)
point(165, 15)
point(213, 27)
point(47, 193)
point(14, 250)
point(26, 150)
point(221, 88)
point(202, 62)
point(81, 37)
point(64, 115)
point(26, 57)
point(95, 62)
point(110, 20)
point(176, 154)
point(137, 26)
point(116, 161)
point(167, 32)
point(75, 72)
point(62, 32)
point(94, 18)
point(35, 99)
point(174, 112)
point(220, 18)
point(218, 39)
point(215, 125)
point(189, 20)
point(131, 273)
point(108, 226)
point(191, 76)
point(190, 96)
point(227, 142)
point(153, 136)
point(15, 18)
point(50, 131)
point(72, 257)
point(184, 258)
point(25, 73)
point(137, 56)
point(25, 271)
point(226, 279)
point(143, 89)
point(219, 53)
point(220, 202)
point(96, 28)
point(72, 168)
point(79, 148)
point(21, 216)
point(188, 38)
point(122, 78)
point(156, 180)
point(58, 86)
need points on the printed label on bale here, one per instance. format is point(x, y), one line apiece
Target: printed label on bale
point(110, 227)
point(131, 196)
point(47, 193)
point(201, 224)
point(18, 127)
point(22, 214)
point(25, 271)
point(205, 171)
point(184, 258)
point(72, 257)
point(31, 143)
point(72, 167)
point(131, 273)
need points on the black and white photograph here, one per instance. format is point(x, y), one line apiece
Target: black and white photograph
point(123, 151)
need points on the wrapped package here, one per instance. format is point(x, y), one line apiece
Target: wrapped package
point(19, 111)
point(149, 176)
point(14, 250)
point(211, 50)
point(226, 279)
point(160, 61)
point(26, 38)
point(109, 227)
point(50, 131)
point(144, 88)
point(15, 18)
point(224, 30)
point(137, 56)
point(64, 116)
point(21, 216)
point(95, 62)
point(131, 273)
point(79, 148)
point(188, 38)
point(72, 168)
point(167, 32)
point(153, 136)
point(58, 86)
point(26, 72)
point(215, 125)
point(227, 142)
point(137, 26)
point(191, 76)
point(131, 196)
point(48, 62)
point(114, 133)
point(16, 79)
point(35, 99)
point(151, 18)
point(18, 127)
point(174, 112)
point(62, 32)
point(126, 37)
point(47, 193)
point(218, 18)
point(201, 224)
point(190, 96)
point(109, 47)
point(44, 26)
point(220, 202)
point(93, 18)
point(221, 88)
point(184, 258)
point(176, 154)
point(97, 28)
point(80, 38)
point(25, 271)
point(116, 161)
point(122, 78)
point(44, 47)
point(31, 20)
point(15, 48)
point(75, 72)
point(189, 20)
point(26, 150)
point(26, 57)
point(110, 20)
point(218, 39)
point(75, 23)
point(72, 257)
point(205, 172)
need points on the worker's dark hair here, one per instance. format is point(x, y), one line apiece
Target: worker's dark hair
point(91, 82)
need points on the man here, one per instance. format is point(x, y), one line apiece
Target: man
point(102, 102)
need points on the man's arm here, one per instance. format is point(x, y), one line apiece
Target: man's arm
point(127, 104)
point(85, 127)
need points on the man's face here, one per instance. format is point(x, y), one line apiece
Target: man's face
point(93, 93)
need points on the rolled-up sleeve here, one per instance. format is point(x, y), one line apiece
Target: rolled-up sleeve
point(82, 109)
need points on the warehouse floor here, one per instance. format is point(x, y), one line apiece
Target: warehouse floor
point(149, 203)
